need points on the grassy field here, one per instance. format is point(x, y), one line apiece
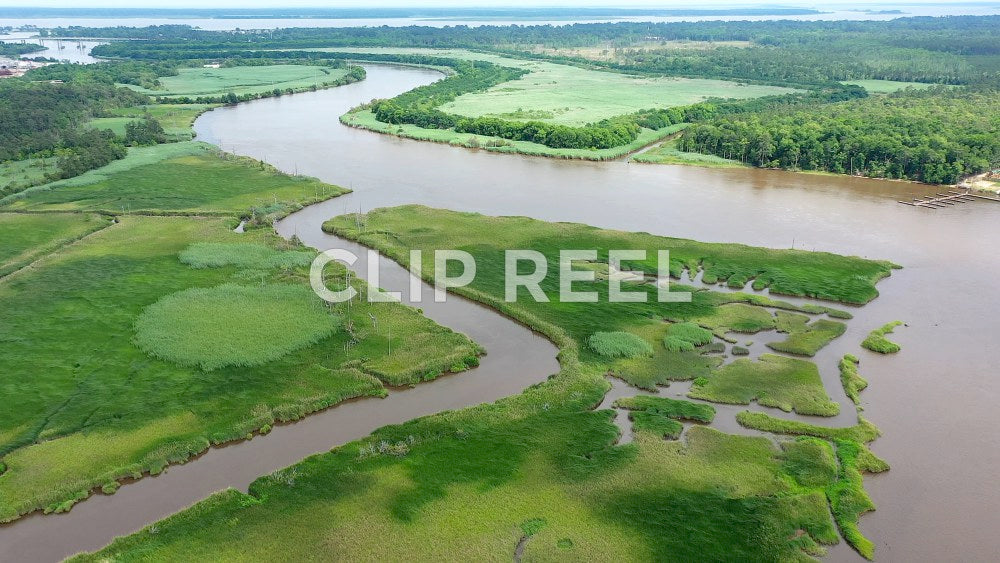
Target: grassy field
point(176, 119)
point(667, 153)
point(886, 86)
point(27, 237)
point(559, 94)
point(18, 174)
point(571, 95)
point(194, 82)
point(98, 408)
point(178, 177)
point(541, 468)
point(575, 96)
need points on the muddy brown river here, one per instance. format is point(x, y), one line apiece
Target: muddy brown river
point(935, 401)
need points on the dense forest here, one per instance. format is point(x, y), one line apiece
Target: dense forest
point(44, 119)
point(935, 136)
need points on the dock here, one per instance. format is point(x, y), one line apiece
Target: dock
point(951, 198)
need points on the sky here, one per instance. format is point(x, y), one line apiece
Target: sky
point(438, 3)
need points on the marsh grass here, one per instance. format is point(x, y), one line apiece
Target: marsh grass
point(864, 431)
point(773, 381)
point(852, 381)
point(877, 342)
point(544, 454)
point(98, 408)
point(659, 424)
point(671, 408)
point(244, 256)
point(28, 237)
point(233, 325)
point(805, 338)
point(619, 344)
point(684, 337)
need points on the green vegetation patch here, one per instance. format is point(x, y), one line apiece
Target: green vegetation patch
point(194, 82)
point(848, 499)
point(668, 153)
point(180, 177)
point(659, 424)
point(852, 381)
point(773, 381)
point(684, 337)
point(805, 338)
point(810, 461)
point(619, 344)
point(671, 408)
point(365, 119)
point(97, 408)
point(28, 237)
point(863, 431)
point(233, 325)
point(572, 95)
point(790, 272)
point(877, 342)
point(243, 255)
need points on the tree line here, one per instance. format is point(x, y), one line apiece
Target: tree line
point(953, 50)
point(934, 136)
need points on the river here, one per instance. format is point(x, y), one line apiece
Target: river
point(934, 401)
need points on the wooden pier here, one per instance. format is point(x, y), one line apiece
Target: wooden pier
point(953, 197)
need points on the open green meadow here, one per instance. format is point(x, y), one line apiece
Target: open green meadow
point(541, 469)
point(139, 359)
point(185, 177)
point(29, 236)
point(570, 95)
point(194, 82)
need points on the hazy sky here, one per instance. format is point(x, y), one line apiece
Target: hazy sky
point(437, 3)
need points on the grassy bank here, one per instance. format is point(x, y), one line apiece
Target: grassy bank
point(191, 177)
point(365, 119)
point(668, 153)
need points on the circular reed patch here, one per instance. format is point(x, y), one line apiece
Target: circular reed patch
point(232, 325)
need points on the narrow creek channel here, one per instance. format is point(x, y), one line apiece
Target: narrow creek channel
point(937, 501)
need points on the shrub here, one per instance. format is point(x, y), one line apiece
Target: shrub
point(619, 344)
